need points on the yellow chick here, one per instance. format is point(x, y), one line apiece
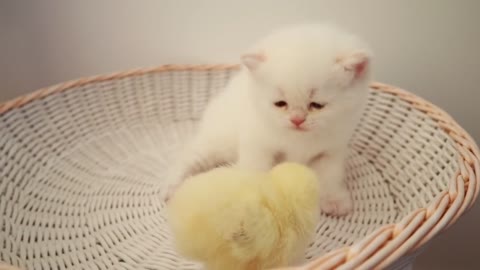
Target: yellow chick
point(232, 219)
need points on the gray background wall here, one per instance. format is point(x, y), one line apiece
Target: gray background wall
point(430, 47)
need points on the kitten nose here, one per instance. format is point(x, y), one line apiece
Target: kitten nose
point(297, 121)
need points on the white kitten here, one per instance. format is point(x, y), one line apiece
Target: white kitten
point(297, 98)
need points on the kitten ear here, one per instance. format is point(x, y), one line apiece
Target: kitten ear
point(353, 65)
point(253, 60)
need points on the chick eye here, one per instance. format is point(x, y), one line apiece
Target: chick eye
point(316, 106)
point(280, 104)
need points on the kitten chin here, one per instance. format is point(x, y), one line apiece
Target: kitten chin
point(298, 81)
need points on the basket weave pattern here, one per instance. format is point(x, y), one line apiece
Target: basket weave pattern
point(82, 163)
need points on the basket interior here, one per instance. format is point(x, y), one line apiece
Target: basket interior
point(81, 171)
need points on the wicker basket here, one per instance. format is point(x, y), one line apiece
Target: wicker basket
point(82, 163)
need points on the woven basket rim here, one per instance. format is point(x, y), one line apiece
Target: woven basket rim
point(387, 243)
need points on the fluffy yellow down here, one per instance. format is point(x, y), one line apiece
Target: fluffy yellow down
point(233, 219)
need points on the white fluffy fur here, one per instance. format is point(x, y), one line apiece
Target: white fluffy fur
point(299, 65)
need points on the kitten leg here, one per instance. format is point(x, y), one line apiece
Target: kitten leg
point(196, 158)
point(254, 158)
point(175, 177)
point(186, 168)
point(335, 198)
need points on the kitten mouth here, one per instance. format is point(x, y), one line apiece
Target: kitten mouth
point(301, 129)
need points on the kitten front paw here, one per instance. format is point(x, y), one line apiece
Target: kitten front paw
point(337, 204)
point(170, 190)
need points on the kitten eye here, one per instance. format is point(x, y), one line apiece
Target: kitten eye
point(280, 104)
point(316, 106)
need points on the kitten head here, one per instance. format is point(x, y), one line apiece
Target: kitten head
point(307, 77)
